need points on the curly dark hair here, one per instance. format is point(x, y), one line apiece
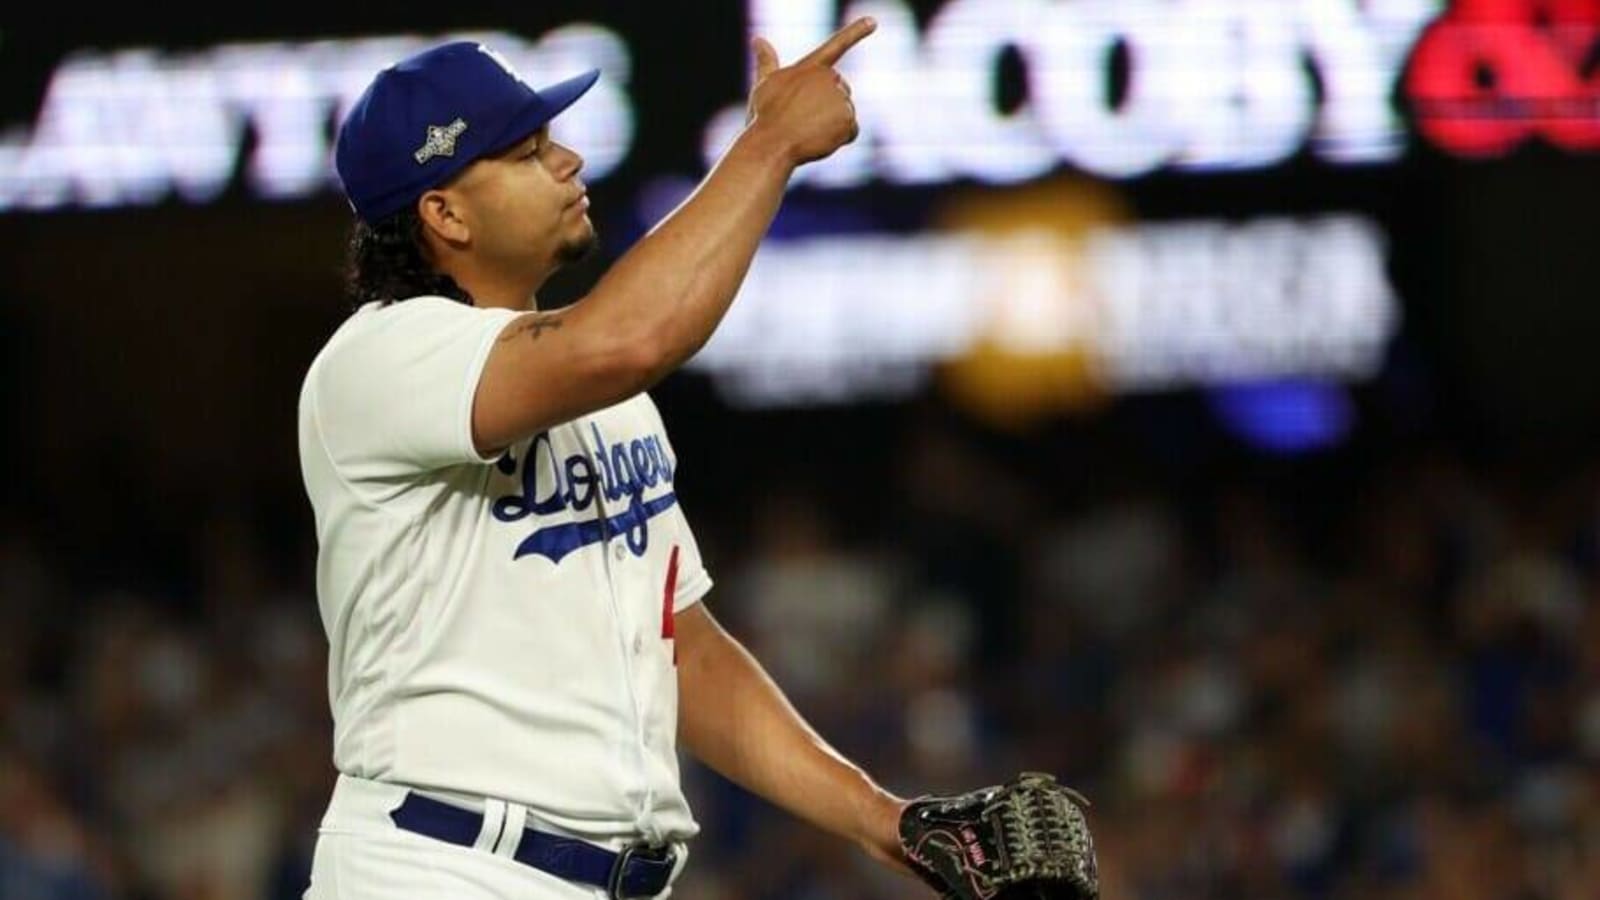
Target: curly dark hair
point(385, 262)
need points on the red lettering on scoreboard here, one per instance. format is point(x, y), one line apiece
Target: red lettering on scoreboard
point(1492, 74)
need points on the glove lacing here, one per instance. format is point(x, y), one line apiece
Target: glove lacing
point(1041, 831)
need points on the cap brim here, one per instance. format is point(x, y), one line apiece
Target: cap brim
point(563, 94)
point(551, 102)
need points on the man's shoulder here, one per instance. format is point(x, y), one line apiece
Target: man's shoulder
point(377, 323)
point(380, 316)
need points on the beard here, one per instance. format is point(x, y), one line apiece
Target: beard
point(578, 248)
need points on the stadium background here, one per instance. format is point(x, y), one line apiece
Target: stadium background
point(1313, 635)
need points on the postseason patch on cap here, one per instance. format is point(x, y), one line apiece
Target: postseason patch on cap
point(441, 141)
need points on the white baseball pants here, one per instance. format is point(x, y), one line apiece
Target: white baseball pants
point(362, 855)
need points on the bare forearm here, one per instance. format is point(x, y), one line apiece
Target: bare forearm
point(736, 720)
point(676, 284)
point(664, 297)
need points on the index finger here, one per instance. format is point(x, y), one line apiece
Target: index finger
point(829, 51)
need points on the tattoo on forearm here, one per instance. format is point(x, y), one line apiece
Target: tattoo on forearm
point(532, 326)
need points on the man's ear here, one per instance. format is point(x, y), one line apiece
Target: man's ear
point(442, 215)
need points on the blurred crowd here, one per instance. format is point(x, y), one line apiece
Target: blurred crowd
point(1377, 683)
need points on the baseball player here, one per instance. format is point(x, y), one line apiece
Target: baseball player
point(509, 585)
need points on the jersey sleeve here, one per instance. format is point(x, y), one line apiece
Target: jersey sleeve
point(694, 581)
point(394, 395)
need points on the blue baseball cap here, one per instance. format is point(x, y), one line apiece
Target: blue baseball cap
point(427, 117)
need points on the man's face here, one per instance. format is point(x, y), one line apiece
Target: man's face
point(528, 209)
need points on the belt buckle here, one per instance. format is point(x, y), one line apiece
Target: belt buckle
point(620, 867)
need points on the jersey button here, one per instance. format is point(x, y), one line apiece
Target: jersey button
point(619, 551)
point(638, 645)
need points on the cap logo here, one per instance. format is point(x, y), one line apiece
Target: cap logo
point(441, 141)
point(501, 61)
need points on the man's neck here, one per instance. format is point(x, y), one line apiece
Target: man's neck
point(528, 303)
point(498, 293)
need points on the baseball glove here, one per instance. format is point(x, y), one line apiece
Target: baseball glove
point(1024, 840)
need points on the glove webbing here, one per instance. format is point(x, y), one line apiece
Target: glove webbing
point(1042, 832)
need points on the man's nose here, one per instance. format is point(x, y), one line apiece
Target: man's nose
point(570, 163)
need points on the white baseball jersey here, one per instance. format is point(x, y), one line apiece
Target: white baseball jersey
point(500, 627)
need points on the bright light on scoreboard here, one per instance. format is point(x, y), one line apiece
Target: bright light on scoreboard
point(1112, 88)
point(1210, 85)
point(138, 126)
point(1139, 307)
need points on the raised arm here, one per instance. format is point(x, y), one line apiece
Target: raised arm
point(661, 301)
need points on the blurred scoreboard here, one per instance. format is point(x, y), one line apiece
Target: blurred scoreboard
point(1051, 201)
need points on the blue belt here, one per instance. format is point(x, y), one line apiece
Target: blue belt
point(638, 871)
